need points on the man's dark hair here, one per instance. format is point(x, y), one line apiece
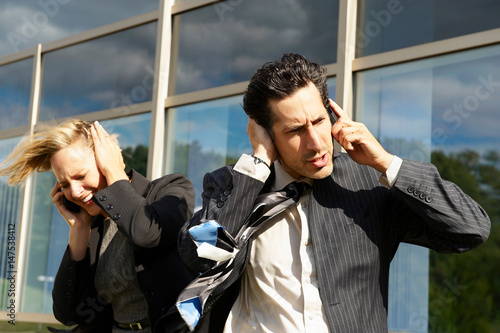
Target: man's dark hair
point(277, 80)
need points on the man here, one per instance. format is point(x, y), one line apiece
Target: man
point(322, 264)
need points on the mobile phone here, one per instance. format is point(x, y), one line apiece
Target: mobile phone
point(332, 114)
point(71, 205)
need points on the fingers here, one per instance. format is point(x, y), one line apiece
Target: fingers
point(57, 188)
point(101, 138)
point(258, 133)
point(338, 110)
point(99, 134)
point(57, 195)
point(345, 131)
point(350, 134)
point(261, 141)
point(108, 154)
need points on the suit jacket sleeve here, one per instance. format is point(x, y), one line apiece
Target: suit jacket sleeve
point(228, 198)
point(149, 215)
point(71, 280)
point(442, 217)
point(75, 300)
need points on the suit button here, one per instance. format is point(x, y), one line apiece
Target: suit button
point(220, 204)
point(110, 206)
point(68, 295)
point(227, 192)
point(117, 216)
point(428, 199)
point(410, 189)
point(103, 198)
point(423, 196)
point(149, 293)
point(71, 270)
point(223, 199)
point(416, 192)
point(69, 283)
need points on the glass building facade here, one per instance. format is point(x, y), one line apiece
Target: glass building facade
point(168, 77)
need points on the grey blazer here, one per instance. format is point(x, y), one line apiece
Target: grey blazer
point(356, 225)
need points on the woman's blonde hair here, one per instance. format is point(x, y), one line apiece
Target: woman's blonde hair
point(34, 152)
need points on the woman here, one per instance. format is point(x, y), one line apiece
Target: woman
point(121, 270)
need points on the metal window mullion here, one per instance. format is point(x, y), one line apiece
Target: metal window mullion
point(345, 54)
point(346, 47)
point(22, 246)
point(428, 50)
point(162, 63)
point(184, 6)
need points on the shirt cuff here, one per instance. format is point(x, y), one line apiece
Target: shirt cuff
point(247, 166)
point(392, 172)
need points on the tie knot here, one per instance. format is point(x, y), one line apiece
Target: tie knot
point(295, 189)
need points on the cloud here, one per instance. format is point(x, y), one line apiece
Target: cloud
point(24, 24)
point(13, 114)
point(111, 71)
point(452, 100)
point(226, 42)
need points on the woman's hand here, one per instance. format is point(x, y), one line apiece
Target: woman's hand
point(79, 224)
point(108, 155)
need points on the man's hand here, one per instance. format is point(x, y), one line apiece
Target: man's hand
point(358, 142)
point(108, 155)
point(262, 144)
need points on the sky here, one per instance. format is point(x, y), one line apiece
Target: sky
point(24, 24)
point(243, 35)
point(447, 103)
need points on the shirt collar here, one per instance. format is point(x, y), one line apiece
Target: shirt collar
point(283, 178)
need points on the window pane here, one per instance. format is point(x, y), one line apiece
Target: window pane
point(10, 200)
point(332, 86)
point(48, 231)
point(388, 25)
point(226, 42)
point(15, 92)
point(133, 137)
point(206, 136)
point(443, 110)
point(108, 72)
point(27, 23)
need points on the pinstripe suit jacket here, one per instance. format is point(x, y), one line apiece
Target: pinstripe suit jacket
point(356, 225)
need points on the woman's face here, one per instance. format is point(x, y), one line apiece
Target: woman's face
point(78, 175)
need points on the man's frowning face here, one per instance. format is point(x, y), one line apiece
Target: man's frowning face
point(302, 134)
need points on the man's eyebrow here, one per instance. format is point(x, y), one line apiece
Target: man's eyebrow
point(293, 126)
point(298, 125)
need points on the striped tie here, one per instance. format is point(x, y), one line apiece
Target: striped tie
point(200, 296)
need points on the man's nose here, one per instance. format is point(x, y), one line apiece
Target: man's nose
point(313, 139)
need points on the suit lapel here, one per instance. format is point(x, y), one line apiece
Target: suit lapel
point(327, 234)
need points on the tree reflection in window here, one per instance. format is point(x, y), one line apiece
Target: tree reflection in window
point(464, 291)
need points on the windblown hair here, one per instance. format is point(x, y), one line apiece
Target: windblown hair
point(278, 80)
point(34, 152)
